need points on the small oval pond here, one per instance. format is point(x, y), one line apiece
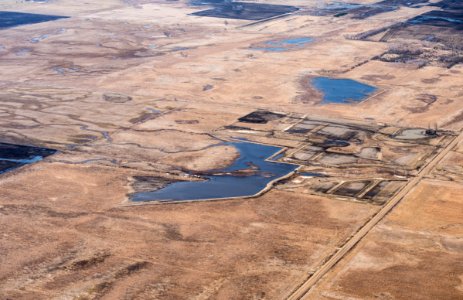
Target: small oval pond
point(341, 90)
point(281, 45)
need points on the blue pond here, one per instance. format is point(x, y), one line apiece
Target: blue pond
point(15, 156)
point(11, 19)
point(224, 184)
point(342, 90)
point(284, 44)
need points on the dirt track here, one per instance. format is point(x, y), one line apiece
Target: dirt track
point(301, 292)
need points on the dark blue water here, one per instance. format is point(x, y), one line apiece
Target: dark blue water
point(423, 19)
point(342, 90)
point(11, 19)
point(15, 156)
point(243, 10)
point(284, 44)
point(223, 184)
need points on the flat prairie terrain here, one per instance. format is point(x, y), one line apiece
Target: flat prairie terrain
point(139, 95)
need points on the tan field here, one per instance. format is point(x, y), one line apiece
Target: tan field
point(130, 100)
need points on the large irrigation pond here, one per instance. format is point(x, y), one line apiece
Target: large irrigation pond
point(15, 156)
point(11, 19)
point(247, 176)
point(339, 90)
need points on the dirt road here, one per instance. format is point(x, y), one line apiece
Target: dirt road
point(304, 288)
